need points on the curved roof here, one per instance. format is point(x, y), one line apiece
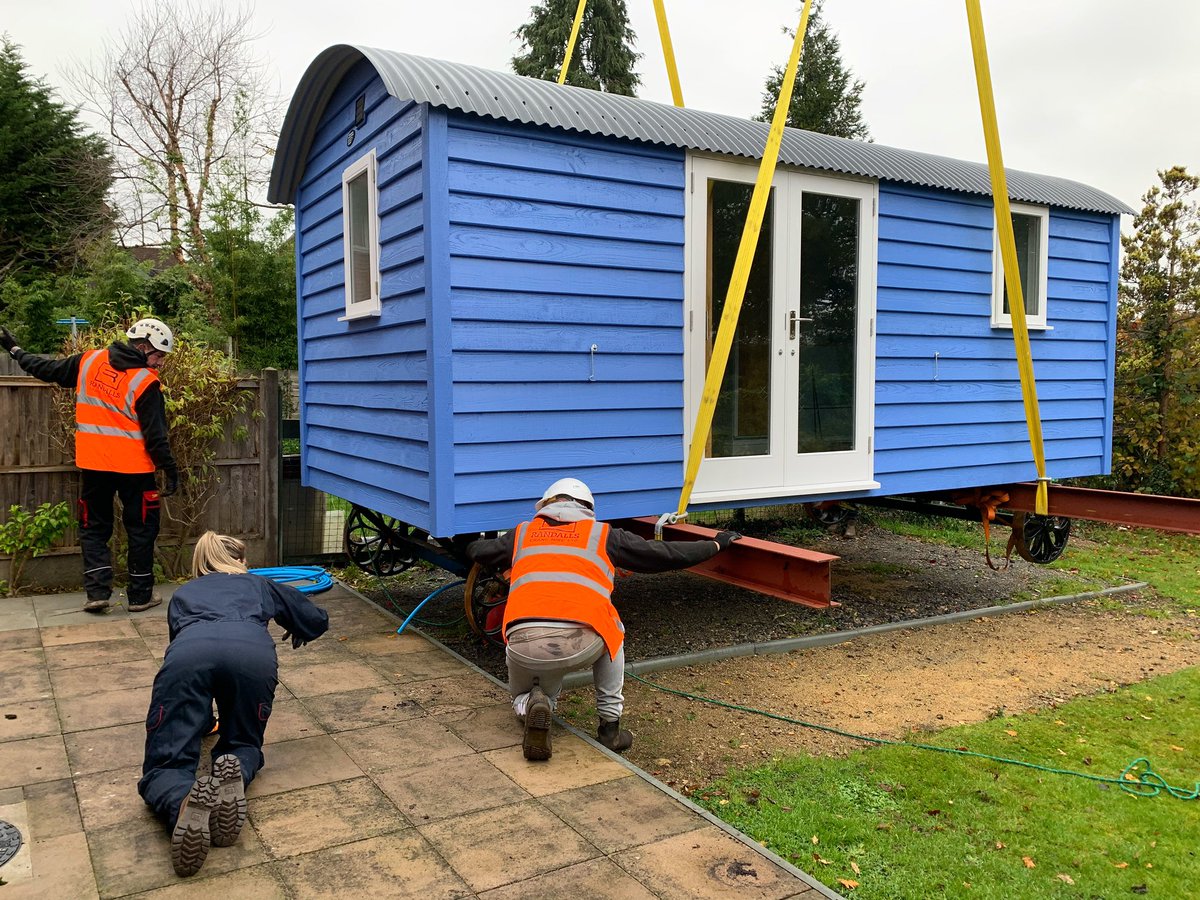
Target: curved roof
point(515, 98)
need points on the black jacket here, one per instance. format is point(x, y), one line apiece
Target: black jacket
point(150, 408)
point(220, 598)
point(625, 549)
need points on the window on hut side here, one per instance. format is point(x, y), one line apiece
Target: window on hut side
point(360, 224)
point(1031, 232)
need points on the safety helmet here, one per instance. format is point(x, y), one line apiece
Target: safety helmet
point(154, 331)
point(570, 487)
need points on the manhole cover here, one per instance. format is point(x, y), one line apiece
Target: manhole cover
point(10, 842)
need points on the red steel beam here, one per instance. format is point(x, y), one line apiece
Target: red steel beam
point(1116, 507)
point(789, 573)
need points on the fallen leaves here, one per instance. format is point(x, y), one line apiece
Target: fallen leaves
point(848, 883)
point(1010, 732)
point(854, 866)
point(1029, 863)
point(1065, 878)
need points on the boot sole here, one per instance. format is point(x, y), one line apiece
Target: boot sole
point(536, 745)
point(191, 837)
point(96, 606)
point(230, 814)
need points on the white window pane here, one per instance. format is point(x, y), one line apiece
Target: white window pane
point(360, 234)
point(1027, 232)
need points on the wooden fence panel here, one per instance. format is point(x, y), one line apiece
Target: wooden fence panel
point(35, 468)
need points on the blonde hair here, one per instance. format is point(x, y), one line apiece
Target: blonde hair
point(218, 553)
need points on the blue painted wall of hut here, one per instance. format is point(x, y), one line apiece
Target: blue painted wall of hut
point(507, 251)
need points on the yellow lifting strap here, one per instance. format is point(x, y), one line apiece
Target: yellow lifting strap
point(664, 33)
point(1008, 252)
point(562, 73)
point(741, 274)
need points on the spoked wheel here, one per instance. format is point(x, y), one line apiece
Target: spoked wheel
point(374, 542)
point(829, 514)
point(1040, 539)
point(484, 597)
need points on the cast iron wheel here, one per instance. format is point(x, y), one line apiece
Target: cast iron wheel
point(1040, 539)
point(484, 596)
point(371, 542)
point(829, 514)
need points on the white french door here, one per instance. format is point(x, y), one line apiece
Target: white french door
point(794, 416)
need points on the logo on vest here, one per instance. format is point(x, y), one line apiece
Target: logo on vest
point(553, 534)
point(106, 381)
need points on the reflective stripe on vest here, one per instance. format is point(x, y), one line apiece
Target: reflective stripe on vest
point(108, 435)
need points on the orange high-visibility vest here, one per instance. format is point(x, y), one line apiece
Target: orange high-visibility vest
point(108, 436)
point(562, 571)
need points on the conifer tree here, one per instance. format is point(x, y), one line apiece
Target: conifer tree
point(1156, 415)
point(826, 97)
point(603, 58)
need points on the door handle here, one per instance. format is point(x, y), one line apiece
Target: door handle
point(794, 319)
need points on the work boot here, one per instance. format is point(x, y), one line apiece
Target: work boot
point(95, 604)
point(538, 717)
point(191, 836)
point(614, 737)
point(143, 605)
point(230, 814)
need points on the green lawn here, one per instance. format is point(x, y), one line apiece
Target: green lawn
point(903, 822)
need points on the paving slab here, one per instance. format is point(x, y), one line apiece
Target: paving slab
point(393, 769)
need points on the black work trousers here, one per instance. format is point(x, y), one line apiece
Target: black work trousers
point(140, 514)
point(233, 663)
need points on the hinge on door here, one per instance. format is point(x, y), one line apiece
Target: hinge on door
point(872, 326)
point(870, 443)
point(691, 319)
point(874, 207)
point(692, 185)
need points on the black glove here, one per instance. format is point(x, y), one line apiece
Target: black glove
point(725, 538)
point(170, 482)
point(8, 342)
point(297, 643)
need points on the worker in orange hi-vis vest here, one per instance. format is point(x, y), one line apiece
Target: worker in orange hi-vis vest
point(559, 616)
point(120, 440)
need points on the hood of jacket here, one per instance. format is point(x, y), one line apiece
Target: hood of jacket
point(122, 356)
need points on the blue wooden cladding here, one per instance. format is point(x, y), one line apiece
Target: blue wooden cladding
point(508, 251)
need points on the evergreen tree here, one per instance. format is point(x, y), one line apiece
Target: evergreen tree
point(55, 177)
point(603, 58)
point(1156, 415)
point(826, 97)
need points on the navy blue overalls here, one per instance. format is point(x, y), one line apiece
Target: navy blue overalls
point(220, 650)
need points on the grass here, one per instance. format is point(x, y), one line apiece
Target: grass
point(906, 823)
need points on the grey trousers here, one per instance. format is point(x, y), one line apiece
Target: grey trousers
point(547, 652)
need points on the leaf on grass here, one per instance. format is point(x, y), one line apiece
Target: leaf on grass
point(815, 839)
point(1029, 863)
point(1176, 749)
point(1010, 732)
point(1059, 722)
point(883, 826)
point(1000, 845)
point(819, 858)
point(1065, 878)
point(1120, 865)
point(854, 866)
point(848, 883)
point(933, 812)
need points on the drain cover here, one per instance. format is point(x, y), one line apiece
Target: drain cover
point(10, 841)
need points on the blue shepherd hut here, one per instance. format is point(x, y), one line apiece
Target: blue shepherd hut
point(502, 281)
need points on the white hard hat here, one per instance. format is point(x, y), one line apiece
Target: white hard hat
point(154, 331)
point(571, 487)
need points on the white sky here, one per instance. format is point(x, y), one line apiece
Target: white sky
point(1090, 90)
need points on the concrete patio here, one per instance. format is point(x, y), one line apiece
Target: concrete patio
point(394, 769)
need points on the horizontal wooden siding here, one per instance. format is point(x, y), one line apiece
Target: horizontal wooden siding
point(364, 399)
point(557, 243)
point(948, 396)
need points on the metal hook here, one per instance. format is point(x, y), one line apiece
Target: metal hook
point(592, 360)
point(935, 366)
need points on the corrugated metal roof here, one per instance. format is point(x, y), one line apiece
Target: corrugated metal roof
point(514, 98)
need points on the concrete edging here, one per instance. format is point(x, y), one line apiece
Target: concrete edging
point(787, 645)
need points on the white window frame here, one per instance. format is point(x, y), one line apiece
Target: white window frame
point(371, 305)
point(1001, 319)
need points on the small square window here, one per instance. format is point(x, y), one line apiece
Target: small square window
point(1031, 232)
point(360, 112)
point(360, 225)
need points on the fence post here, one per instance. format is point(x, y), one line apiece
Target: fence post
point(268, 461)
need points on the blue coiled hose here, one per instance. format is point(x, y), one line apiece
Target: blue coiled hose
point(318, 579)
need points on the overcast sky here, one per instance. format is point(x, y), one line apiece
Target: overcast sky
point(1099, 91)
